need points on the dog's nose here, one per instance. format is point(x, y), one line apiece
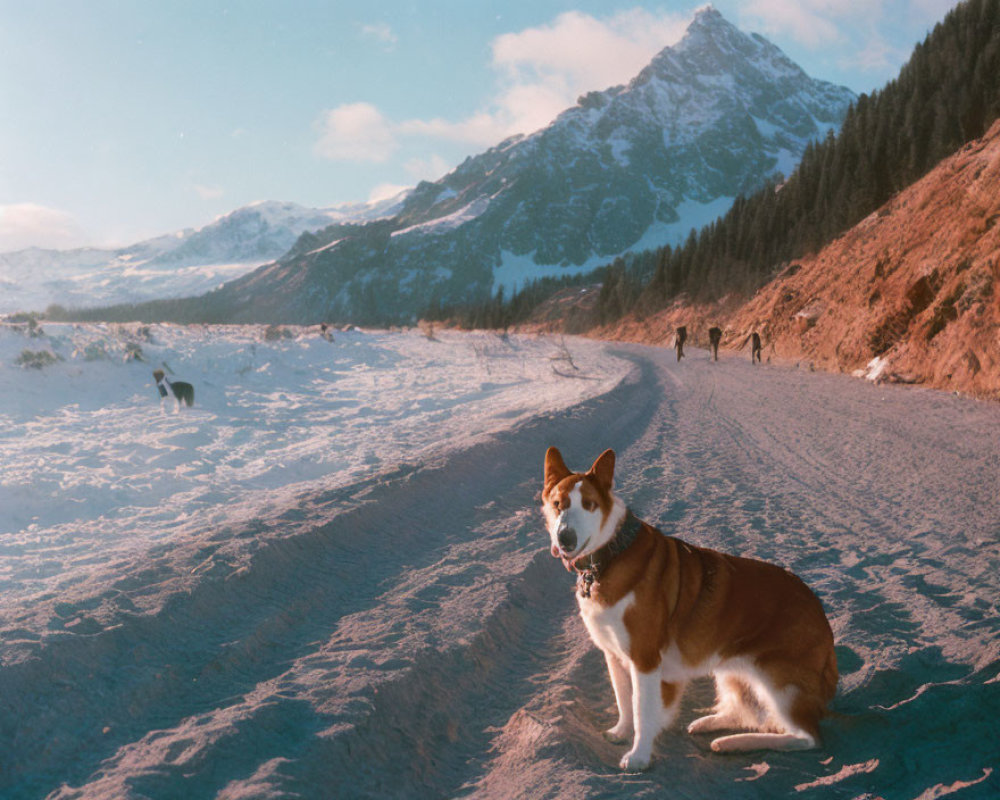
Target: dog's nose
point(567, 538)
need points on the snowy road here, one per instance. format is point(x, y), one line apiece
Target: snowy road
point(414, 638)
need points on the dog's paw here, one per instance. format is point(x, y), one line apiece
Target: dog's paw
point(632, 762)
point(617, 734)
point(713, 722)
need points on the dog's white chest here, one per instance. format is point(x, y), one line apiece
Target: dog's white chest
point(606, 624)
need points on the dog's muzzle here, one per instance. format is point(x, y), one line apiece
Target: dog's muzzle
point(566, 537)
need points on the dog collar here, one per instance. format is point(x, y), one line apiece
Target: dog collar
point(589, 568)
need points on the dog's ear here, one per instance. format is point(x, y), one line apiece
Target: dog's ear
point(555, 468)
point(603, 471)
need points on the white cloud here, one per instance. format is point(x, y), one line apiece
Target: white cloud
point(385, 191)
point(875, 55)
point(540, 72)
point(427, 169)
point(526, 107)
point(809, 22)
point(208, 192)
point(381, 33)
point(355, 132)
point(24, 225)
point(479, 129)
point(871, 37)
point(582, 53)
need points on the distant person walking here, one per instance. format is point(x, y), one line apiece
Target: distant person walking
point(755, 348)
point(714, 337)
point(680, 336)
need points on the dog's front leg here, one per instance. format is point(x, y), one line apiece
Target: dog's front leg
point(647, 715)
point(623, 697)
point(654, 706)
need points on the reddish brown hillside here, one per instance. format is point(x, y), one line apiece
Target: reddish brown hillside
point(913, 285)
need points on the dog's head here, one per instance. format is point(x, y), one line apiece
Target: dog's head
point(158, 375)
point(581, 511)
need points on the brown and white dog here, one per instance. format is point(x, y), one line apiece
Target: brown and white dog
point(664, 612)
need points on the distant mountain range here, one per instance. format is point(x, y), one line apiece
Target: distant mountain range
point(627, 169)
point(185, 263)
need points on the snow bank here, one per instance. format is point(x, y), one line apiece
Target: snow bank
point(96, 474)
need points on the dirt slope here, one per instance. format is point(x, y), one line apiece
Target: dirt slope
point(913, 285)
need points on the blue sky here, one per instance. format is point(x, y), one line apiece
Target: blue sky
point(128, 119)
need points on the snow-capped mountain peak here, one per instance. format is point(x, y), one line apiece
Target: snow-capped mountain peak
point(628, 168)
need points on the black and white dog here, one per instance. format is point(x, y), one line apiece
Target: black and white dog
point(182, 392)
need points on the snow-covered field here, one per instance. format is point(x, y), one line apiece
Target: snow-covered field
point(329, 578)
point(96, 475)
